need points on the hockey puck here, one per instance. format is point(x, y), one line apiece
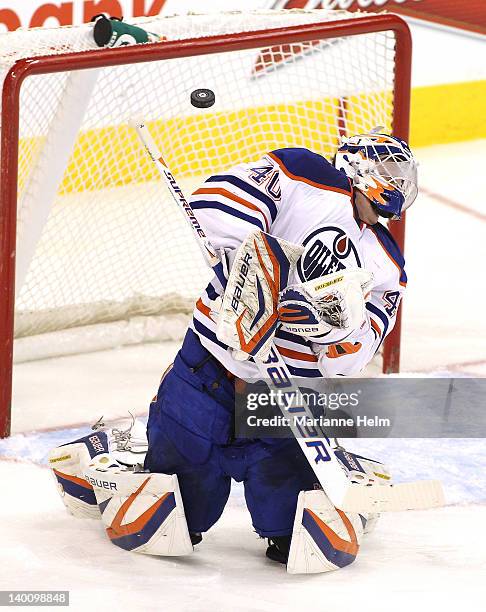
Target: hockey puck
point(202, 98)
point(102, 30)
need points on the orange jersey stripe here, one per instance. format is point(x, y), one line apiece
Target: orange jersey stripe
point(231, 196)
point(286, 352)
point(334, 351)
point(201, 306)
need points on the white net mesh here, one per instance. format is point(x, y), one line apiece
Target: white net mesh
point(99, 240)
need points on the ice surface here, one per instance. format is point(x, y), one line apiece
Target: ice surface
point(413, 561)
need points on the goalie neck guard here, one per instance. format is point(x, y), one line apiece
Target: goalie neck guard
point(383, 168)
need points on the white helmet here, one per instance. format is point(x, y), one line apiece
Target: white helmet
point(383, 168)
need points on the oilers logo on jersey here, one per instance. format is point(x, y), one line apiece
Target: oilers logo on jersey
point(328, 249)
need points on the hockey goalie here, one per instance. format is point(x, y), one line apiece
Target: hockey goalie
point(322, 221)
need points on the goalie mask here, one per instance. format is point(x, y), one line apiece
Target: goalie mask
point(383, 168)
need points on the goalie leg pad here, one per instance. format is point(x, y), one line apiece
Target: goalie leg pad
point(365, 471)
point(141, 512)
point(324, 538)
point(67, 463)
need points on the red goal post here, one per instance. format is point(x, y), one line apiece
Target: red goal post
point(138, 54)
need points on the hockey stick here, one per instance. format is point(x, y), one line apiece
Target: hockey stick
point(314, 444)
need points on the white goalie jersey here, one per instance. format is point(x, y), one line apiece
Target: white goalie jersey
point(297, 195)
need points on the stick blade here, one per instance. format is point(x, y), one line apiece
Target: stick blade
point(419, 495)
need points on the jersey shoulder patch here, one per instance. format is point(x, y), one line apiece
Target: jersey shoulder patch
point(391, 248)
point(303, 165)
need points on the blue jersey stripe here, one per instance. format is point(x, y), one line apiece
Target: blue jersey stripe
point(211, 291)
point(381, 315)
point(220, 275)
point(207, 333)
point(244, 186)
point(304, 372)
point(202, 204)
point(292, 338)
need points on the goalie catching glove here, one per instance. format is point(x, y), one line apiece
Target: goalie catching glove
point(334, 301)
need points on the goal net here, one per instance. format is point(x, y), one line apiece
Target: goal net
point(103, 257)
